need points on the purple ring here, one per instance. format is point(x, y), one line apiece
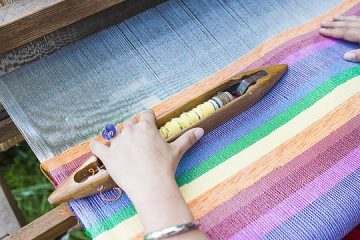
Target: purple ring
point(109, 132)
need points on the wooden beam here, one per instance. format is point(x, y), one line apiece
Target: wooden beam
point(48, 226)
point(27, 20)
point(52, 42)
point(6, 2)
point(11, 218)
point(46, 44)
point(10, 135)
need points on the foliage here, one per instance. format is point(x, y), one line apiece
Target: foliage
point(30, 188)
point(20, 169)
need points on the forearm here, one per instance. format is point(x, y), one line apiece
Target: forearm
point(161, 205)
point(143, 164)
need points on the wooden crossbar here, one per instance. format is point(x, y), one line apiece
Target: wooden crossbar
point(26, 21)
point(48, 226)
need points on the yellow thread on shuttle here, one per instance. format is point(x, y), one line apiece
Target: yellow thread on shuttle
point(187, 119)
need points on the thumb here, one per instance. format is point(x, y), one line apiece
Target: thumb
point(99, 149)
point(185, 141)
point(352, 56)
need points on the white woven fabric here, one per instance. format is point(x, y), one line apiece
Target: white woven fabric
point(66, 98)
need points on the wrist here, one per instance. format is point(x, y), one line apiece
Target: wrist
point(153, 186)
point(161, 205)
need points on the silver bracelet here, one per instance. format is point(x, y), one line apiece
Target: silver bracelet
point(171, 231)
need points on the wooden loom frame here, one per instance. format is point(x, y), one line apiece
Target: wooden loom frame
point(64, 221)
point(25, 21)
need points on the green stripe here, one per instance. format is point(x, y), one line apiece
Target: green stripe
point(268, 127)
point(111, 222)
point(240, 144)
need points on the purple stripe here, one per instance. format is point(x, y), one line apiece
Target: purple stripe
point(272, 104)
point(264, 195)
point(306, 51)
point(309, 40)
point(302, 198)
point(292, 46)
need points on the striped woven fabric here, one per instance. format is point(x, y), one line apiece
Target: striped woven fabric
point(289, 167)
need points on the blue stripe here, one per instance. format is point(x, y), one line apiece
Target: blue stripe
point(299, 80)
point(330, 217)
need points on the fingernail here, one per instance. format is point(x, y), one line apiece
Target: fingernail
point(199, 132)
point(350, 56)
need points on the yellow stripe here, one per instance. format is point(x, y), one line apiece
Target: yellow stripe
point(220, 173)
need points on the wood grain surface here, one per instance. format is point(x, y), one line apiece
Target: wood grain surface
point(27, 20)
point(18, 54)
point(6, 2)
point(10, 135)
point(48, 226)
point(10, 218)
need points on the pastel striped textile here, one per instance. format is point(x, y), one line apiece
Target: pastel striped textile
point(287, 168)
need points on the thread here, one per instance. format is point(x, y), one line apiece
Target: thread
point(111, 199)
point(188, 119)
point(65, 211)
point(100, 189)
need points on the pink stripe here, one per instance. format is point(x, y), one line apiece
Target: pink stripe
point(304, 43)
point(302, 198)
point(248, 198)
point(299, 42)
point(260, 197)
point(60, 174)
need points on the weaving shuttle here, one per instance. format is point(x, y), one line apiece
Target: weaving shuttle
point(246, 88)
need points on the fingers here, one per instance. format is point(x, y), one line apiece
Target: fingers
point(129, 122)
point(346, 18)
point(332, 32)
point(339, 24)
point(342, 27)
point(349, 34)
point(98, 149)
point(352, 56)
point(185, 141)
point(147, 116)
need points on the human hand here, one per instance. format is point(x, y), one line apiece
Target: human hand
point(143, 164)
point(139, 158)
point(344, 27)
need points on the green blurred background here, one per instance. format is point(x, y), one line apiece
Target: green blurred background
point(20, 169)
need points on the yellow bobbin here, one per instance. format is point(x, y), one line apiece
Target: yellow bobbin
point(199, 112)
point(194, 117)
point(163, 132)
point(218, 100)
point(209, 108)
point(214, 104)
point(203, 109)
point(187, 119)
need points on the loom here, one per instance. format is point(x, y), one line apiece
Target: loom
point(272, 171)
point(240, 92)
